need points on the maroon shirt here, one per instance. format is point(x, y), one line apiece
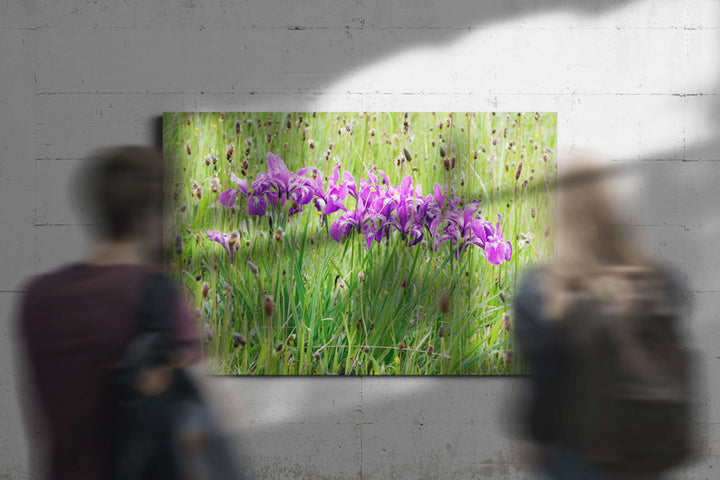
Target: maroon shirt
point(75, 322)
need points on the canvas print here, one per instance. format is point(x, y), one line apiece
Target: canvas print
point(358, 243)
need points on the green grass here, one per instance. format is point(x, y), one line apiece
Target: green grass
point(326, 320)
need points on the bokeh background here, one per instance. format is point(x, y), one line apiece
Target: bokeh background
point(634, 80)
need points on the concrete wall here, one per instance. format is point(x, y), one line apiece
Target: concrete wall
point(635, 80)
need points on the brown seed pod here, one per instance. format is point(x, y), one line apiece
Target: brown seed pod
point(238, 127)
point(507, 357)
point(442, 152)
point(279, 347)
point(502, 296)
point(205, 289)
point(252, 267)
point(268, 305)
point(178, 244)
point(406, 152)
point(519, 170)
point(533, 212)
point(291, 338)
point(183, 207)
point(506, 322)
point(238, 340)
point(441, 331)
point(444, 303)
point(188, 149)
point(401, 346)
point(430, 350)
point(229, 152)
point(446, 163)
point(316, 355)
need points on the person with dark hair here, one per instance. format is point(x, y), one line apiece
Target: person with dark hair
point(78, 320)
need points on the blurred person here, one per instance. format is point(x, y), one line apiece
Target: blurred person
point(609, 396)
point(77, 321)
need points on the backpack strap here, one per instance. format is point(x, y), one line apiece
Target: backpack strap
point(155, 311)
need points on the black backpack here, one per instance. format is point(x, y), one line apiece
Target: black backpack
point(171, 435)
point(627, 408)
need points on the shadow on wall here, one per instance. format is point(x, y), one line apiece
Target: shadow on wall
point(674, 213)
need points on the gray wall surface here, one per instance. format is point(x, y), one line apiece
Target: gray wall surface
point(635, 81)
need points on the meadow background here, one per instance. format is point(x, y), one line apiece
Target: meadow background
point(321, 307)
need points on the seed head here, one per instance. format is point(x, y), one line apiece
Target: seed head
point(214, 184)
point(227, 289)
point(238, 127)
point(424, 244)
point(291, 338)
point(268, 305)
point(252, 267)
point(279, 234)
point(238, 340)
point(178, 244)
point(406, 152)
point(444, 303)
point(197, 238)
point(507, 357)
point(279, 347)
point(229, 152)
point(430, 350)
point(188, 149)
point(442, 152)
point(208, 333)
point(366, 349)
point(502, 296)
point(441, 331)
point(506, 322)
point(316, 356)
point(495, 141)
point(234, 238)
point(401, 346)
point(311, 143)
point(532, 212)
point(446, 163)
point(518, 171)
point(183, 207)
point(205, 289)
point(208, 160)
point(361, 276)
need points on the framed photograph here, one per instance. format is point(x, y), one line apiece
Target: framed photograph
point(348, 243)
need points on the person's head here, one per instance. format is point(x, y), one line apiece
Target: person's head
point(594, 251)
point(123, 188)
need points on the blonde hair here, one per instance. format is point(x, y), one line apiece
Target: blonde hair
point(595, 255)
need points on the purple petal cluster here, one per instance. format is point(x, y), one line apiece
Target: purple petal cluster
point(379, 208)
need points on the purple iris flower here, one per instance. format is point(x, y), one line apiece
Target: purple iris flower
point(404, 222)
point(497, 249)
point(228, 197)
point(361, 218)
point(222, 239)
point(331, 200)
